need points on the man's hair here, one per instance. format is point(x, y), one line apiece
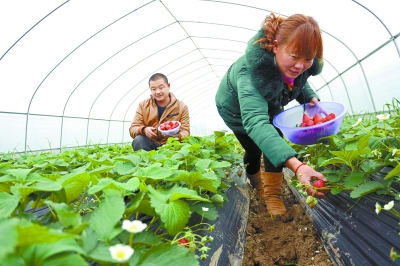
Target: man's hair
point(158, 76)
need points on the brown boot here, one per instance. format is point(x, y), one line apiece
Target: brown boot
point(272, 183)
point(255, 182)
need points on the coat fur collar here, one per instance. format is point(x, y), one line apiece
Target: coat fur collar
point(265, 74)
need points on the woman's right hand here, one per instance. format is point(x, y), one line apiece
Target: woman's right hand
point(305, 174)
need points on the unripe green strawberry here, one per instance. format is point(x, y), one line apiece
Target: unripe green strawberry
point(311, 201)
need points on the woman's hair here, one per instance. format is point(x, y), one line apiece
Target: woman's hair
point(298, 32)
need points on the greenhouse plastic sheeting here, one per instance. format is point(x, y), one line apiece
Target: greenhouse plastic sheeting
point(73, 72)
point(352, 232)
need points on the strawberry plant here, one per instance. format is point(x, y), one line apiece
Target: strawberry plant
point(355, 158)
point(72, 207)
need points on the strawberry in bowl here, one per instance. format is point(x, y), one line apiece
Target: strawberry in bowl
point(169, 128)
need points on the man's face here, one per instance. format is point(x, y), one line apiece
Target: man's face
point(160, 91)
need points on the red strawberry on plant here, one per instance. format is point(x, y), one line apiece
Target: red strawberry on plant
point(184, 242)
point(319, 183)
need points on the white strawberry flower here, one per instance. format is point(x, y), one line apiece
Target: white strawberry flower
point(389, 205)
point(358, 122)
point(383, 116)
point(121, 252)
point(134, 226)
point(204, 209)
point(378, 208)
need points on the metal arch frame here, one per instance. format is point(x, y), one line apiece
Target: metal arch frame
point(33, 95)
point(73, 91)
point(23, 35)
point(146, 78)
point(339, 75)
point(124, 72)
point(392, 37)
point(27, 114)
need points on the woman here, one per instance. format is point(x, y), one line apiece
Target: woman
point(272, 72)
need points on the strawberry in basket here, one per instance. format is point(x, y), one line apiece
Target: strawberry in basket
point(169, 125)
point(317, 119)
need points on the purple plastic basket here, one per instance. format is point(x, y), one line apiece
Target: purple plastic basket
point(289, 120)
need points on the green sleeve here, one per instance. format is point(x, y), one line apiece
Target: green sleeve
point(255, 119)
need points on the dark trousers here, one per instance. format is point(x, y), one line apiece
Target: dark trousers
point(141, 142)
point(252, 156)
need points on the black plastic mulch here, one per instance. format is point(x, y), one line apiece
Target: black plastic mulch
point(352, 232)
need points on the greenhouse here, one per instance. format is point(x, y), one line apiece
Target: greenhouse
point(73, 76)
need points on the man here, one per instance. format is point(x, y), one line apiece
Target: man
point(162, 106)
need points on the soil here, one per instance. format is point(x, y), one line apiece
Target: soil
point(290, 239)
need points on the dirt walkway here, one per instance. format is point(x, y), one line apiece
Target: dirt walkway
point(287, 240)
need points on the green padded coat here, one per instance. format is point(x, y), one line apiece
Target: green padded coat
point(256, 94)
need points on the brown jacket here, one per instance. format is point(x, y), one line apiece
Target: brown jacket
point(147, 116)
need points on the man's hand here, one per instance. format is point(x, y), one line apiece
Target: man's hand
point(148, 132)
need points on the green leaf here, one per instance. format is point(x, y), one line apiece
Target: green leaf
point(196, 179)
point(66, 259)
point(104, 182)
point(354, 179)
point(101, 169)
point(37, 253)
point(376, 143)
point(211, 214)
point(19, 174)
point(219, 133)
point(101, 254)
point(131, 185)
point(66, 214)
point(30, 234)
point(24, 190)
point(365, 189)
point(89, 240)
point(154, 171)
point(8, 203)
point(222, 164)
point(363, 142)
point(394, 172)
point(8, 231)
point(146, 238)
point(175, 214)
point(370, 166)
point(170, 255)
point(106, 216)
point(336, 190)
point(146, 208)
point(74, 184)
point(125, 168)
point(182, 192)
point(203, 164)
point(58, 162)
point(332, 177)
point(333, 161)
point(349, 156)
point(172, 164)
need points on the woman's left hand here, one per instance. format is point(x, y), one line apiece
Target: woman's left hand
point(313, 101)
